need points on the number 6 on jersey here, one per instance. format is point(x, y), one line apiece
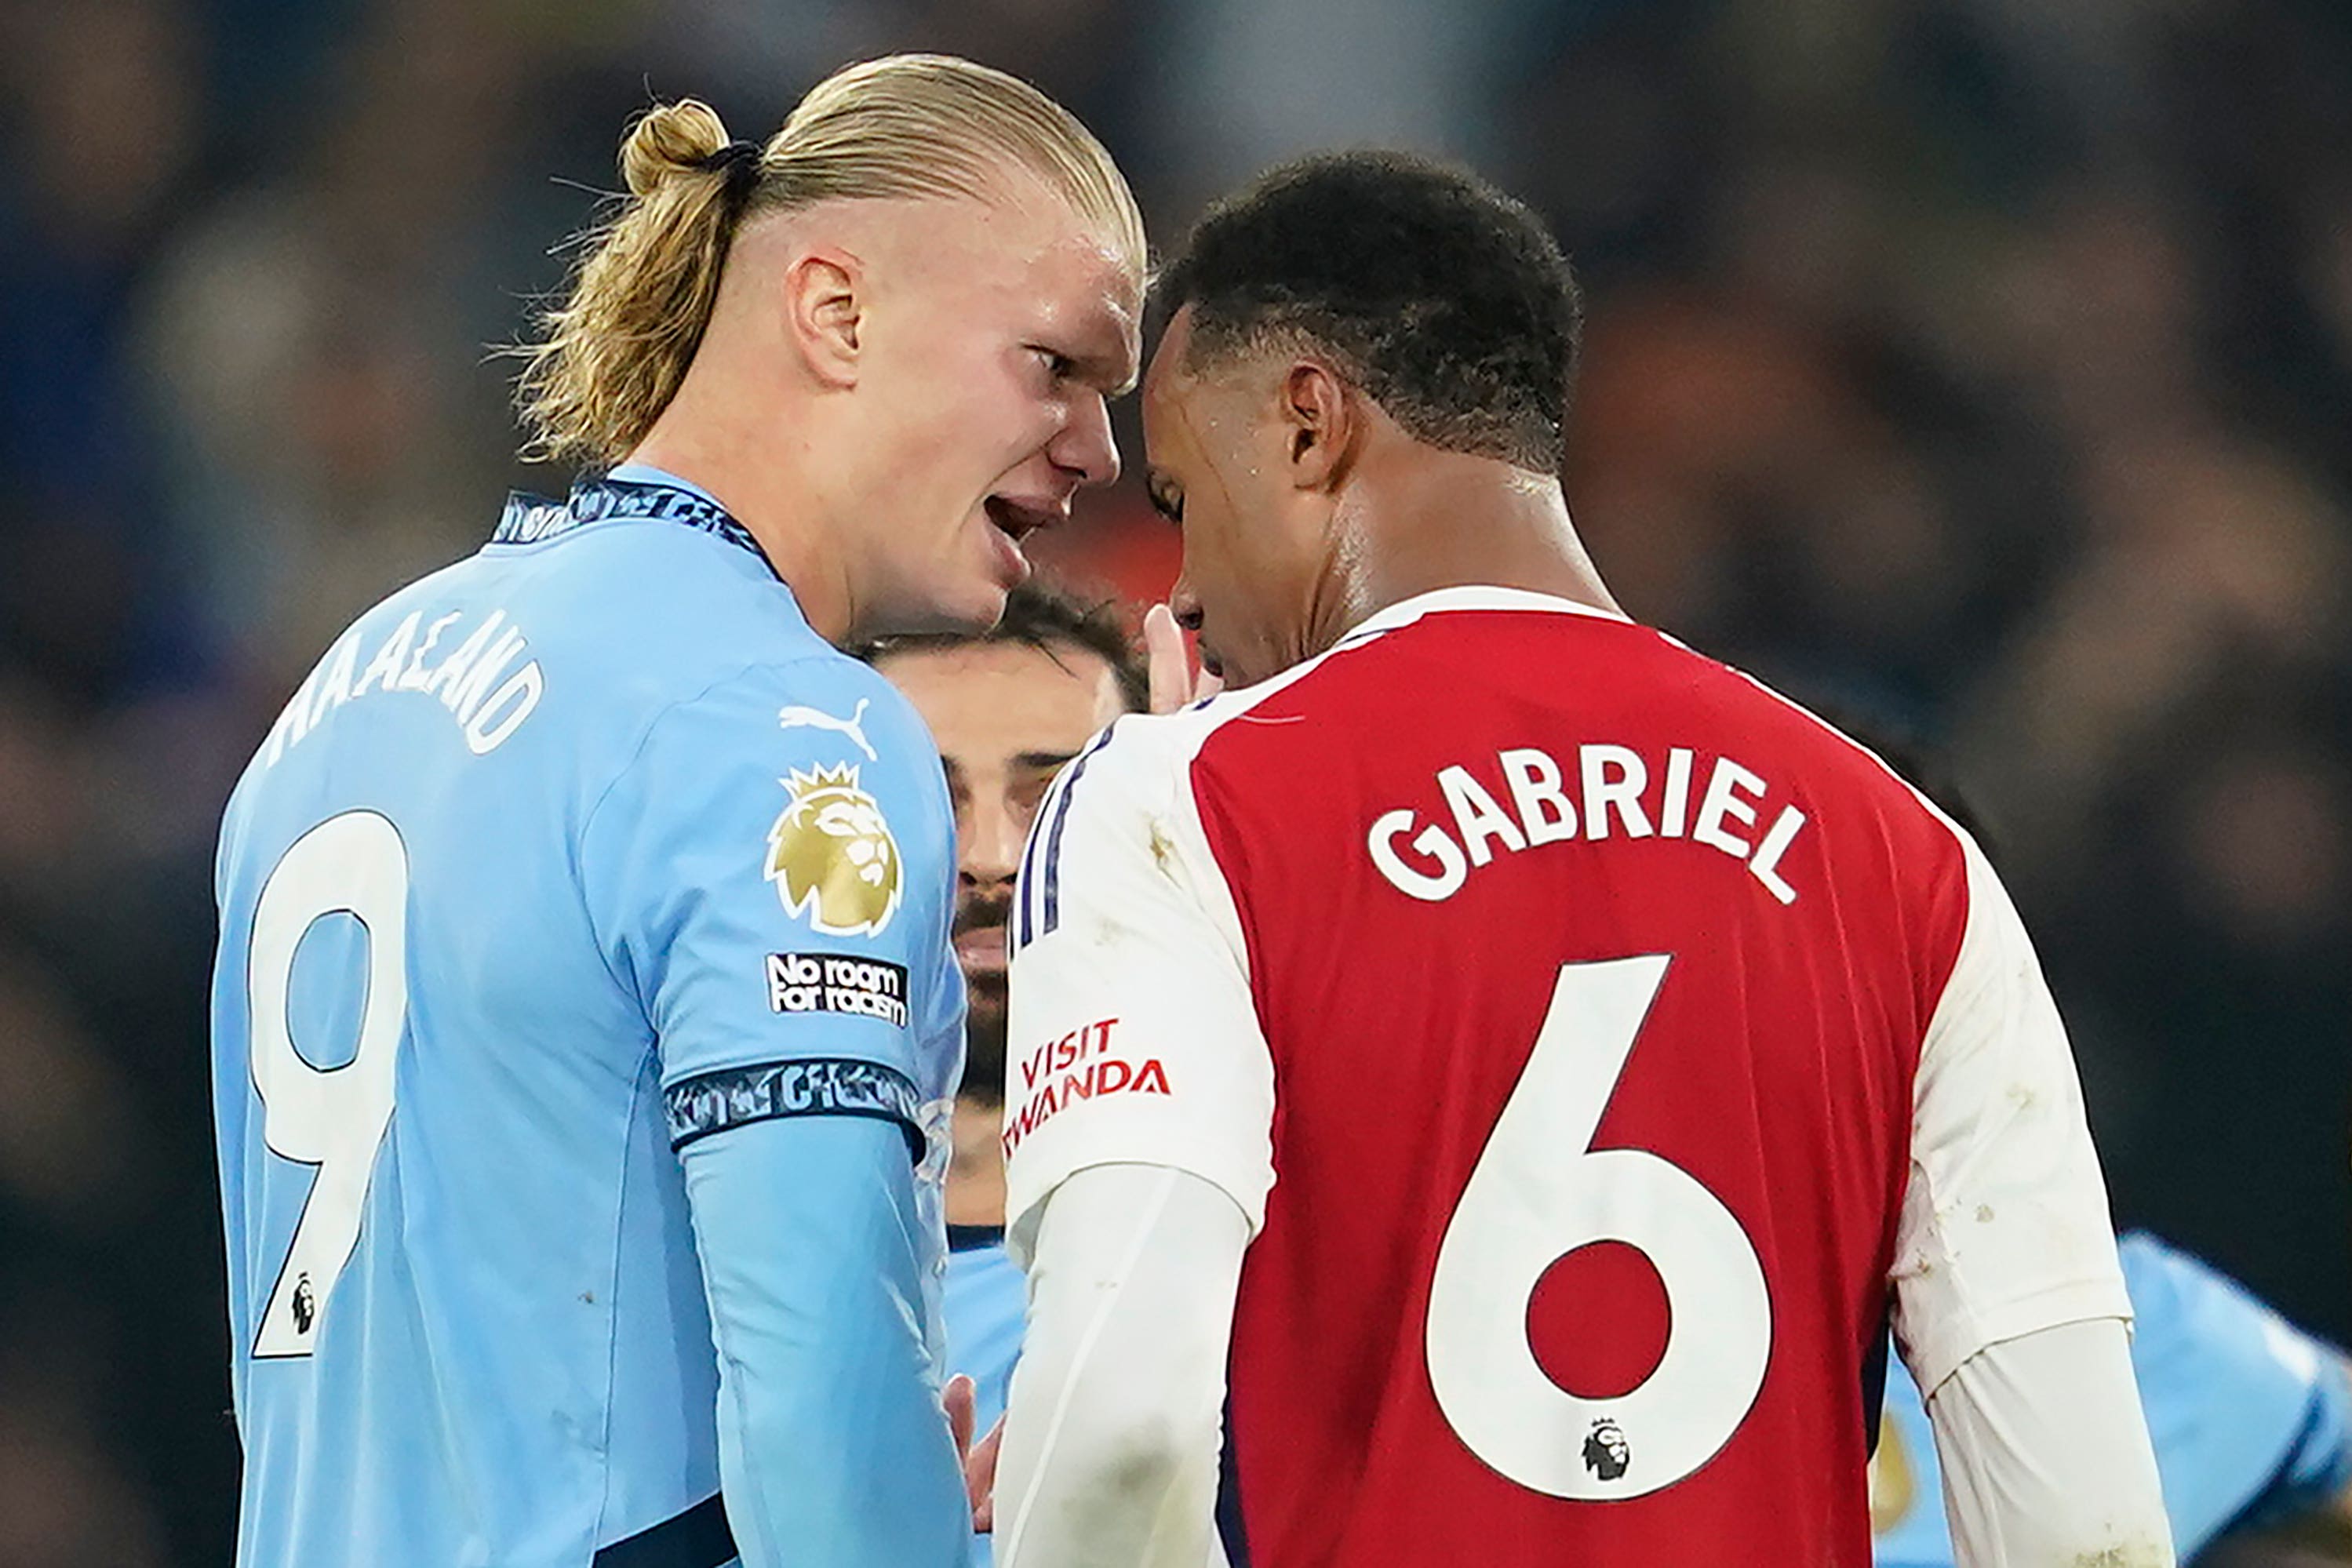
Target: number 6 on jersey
point(1538, 1192)
point(333, 1118)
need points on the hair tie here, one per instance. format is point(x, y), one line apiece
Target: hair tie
point(739, 161)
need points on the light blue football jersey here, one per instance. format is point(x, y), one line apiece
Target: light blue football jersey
point(585, 907)
point(2251, 1418)
point(987, 1306)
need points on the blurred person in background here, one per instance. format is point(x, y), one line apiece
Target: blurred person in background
point(586, 1016)
point(1008, 707)
point(1729, 1064)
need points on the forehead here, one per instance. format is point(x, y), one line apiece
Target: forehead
point(1170, 385)
point(1027, 250)
point(1167, 368)
point(1004, 698)
point(1196, 408)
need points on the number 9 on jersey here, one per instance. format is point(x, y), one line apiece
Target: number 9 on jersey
point(332, 1118)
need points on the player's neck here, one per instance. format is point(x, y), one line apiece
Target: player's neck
point(1451, 520)
point(740, 468)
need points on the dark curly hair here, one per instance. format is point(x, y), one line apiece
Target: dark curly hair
point(1039, 616)
point(1446, 300)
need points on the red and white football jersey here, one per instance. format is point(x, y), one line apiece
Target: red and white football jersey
point(1601, 1047)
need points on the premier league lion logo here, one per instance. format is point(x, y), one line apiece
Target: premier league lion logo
point(831, 854)
point(1606, 1452)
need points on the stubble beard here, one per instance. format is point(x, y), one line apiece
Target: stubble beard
point(983, 1039)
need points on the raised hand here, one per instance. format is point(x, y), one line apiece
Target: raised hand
point(1169, 668)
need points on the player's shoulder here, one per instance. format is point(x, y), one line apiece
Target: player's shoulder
point(1150, 754)
point(1485, 657)
point(682, 628)
point(2248, 1412)
point(661, 604)
point(1140, 763)
point(1119, 823)
point(1883, 794)
point(1779, 728)
point(813, 708)
point(1444, 649)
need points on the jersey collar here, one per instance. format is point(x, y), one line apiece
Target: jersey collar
point(631, 491)
point(1476, 596)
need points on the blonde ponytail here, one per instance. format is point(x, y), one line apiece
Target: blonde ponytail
point(614, 352)
point(609, 358)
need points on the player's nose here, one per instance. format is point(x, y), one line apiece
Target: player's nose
point(1185, 604)
point(1086, 445)
point(988, 846)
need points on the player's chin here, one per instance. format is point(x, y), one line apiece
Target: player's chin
point(976, 605)
point(1231, 672)
point(965, 593)
point(989, 567)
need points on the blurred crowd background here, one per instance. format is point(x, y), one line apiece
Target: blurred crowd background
point(1979, 369)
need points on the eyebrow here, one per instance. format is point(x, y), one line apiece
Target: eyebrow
point(1043, 759)
point(1107, 325)
point(1106, 372)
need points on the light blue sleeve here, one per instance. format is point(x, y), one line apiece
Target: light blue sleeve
point(987, 1300)
point(770, 877)
point(749, 859)
point(987, 1307)
point(2318, 1469)
point(2251, 1417)
point(831, 1445)
point(2248, 1413)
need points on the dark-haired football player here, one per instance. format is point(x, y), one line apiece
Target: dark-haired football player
point(1538, 1061)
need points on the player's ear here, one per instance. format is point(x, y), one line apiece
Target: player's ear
point(822, 313)
point(1319, 419)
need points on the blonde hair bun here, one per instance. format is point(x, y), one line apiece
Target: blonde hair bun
point(668, 140)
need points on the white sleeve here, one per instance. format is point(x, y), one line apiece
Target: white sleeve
point(2046, 1456)
point(1113, 1430)
point(1132, 1035)
point(2005, 1226)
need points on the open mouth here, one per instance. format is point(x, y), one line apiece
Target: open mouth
point(1016, 519)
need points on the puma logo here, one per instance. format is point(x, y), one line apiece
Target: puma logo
point(817, 718)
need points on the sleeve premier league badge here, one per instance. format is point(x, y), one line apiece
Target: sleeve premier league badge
point(831, 856)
